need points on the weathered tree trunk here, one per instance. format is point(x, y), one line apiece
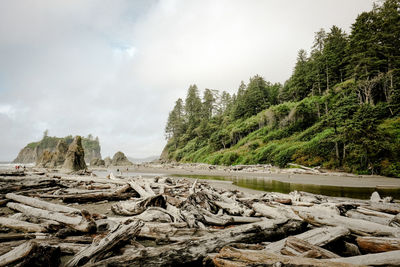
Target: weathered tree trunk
point(32, 254)
point(233, 257)
point(97, 250)
point(386, 259)
point(31, 184)
point(96, 197)
point(79, 223)
point(358, 215)
point(41, 204)
point(21, 225)
point(391, 208)
point(275, 212)
point(193, 251)
point(135, 207)
point(318, 237)
point(377, 244)
point(143, 193)
point(319, 217)
point(297, 247)
point(15, 236)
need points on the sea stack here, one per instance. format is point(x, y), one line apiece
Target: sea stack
point(75, 158)
point(119, 159)
point(96, 162)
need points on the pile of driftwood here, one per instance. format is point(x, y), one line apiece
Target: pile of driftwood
point(164, 221)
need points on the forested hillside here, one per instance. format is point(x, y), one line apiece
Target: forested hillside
point(339, 109)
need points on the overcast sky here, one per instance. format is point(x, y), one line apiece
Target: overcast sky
point(115, 68)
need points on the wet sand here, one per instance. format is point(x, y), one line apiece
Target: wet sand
point(329, 178)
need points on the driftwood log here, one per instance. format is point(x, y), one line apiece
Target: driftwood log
point(96, 251)
point(32, 254)
point(176, 221)
point(369, 244)
point(193, 251)
point(233, 257)
point(82, 223)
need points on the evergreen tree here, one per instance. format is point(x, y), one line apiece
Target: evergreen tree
point(175, 123)
point(192, 108)
point(209, 103)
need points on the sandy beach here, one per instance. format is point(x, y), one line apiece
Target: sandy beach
point(283, 175)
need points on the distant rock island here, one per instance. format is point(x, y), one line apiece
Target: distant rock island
point(34, 151)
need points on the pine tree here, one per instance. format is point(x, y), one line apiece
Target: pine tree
point(192, 108)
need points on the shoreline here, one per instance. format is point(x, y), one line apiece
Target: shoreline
point(282, 175)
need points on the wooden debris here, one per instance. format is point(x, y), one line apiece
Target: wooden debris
point(192, 251)
point(80, 223)
point(177, 221)
point(41, 204)
point(391, 258)
point(21, 225)
point(369, 244)
point(32, 254)
point(357, 226)
point(229, 256)
point(297, 247)
point(96, 251)
point(318, 237)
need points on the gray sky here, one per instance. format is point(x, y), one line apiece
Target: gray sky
point(115, 68)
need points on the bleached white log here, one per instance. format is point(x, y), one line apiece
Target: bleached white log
point(318, 237)
point(76, 222)
point(21, 225)
point(135, 186)
point(355, 214)
point(30, 201)
point(320, 218)
point(97, 250)
point(275, 212)
point(391, 258)
point(17, 253)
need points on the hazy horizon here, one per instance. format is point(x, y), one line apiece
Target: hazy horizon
point(115, 69)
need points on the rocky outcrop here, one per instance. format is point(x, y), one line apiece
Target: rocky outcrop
point(75, 157)
point(45, 159)
point(107, 162)
point(33, 151)
point(53, 159)
point(119, 159)
point(60, 154)
point(96, 162)
point(26, 155)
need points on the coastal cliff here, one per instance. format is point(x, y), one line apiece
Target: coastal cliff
point(33, 151)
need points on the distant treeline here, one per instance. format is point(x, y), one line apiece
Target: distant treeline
point(339, 109)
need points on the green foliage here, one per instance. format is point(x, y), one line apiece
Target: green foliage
point(33, 145)
point(339, 109)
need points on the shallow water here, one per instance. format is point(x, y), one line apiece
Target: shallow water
point(270, 185)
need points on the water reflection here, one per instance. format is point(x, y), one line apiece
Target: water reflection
point(270, 185)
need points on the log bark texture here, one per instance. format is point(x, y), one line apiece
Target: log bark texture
point(240, 258)
point(369, 244)
point(21, 225)
point(96, 251)
point(193, 251)
point(79, 223)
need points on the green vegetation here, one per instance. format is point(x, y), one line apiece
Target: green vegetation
point(50, 143)
point(339, 109)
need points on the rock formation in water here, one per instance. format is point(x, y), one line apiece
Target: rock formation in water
point(96, 162)
point(45, 159)
point(75, 157)
point(107, 161)
point(33, 151)
point(53, 159)
point(119, 159)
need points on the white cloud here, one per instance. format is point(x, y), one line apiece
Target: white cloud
point(115, 69)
